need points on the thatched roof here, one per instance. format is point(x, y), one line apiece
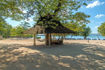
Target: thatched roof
point(35, 30)
point(58, 29)
point(41, 30)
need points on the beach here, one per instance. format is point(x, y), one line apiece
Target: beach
point(73, 55)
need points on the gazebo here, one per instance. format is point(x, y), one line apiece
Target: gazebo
point(49, 32)
point(54, 28)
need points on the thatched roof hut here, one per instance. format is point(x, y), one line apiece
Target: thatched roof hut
point(37, 29)
point(53, 27)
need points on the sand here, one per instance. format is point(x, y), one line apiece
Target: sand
point(73, 55)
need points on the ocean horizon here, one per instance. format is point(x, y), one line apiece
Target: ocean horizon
point(90, 37)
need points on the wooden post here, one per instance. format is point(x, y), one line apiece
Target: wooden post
point(34, 40)
point(48, 39)
point(88, 40)
point(62, 38)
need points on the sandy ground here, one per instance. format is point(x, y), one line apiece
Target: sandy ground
point(73, 55)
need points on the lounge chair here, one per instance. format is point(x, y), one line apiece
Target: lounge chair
point(41, 40)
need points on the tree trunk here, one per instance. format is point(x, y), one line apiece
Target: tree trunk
point(34, 39)
point(62, 39)
point(48, 39)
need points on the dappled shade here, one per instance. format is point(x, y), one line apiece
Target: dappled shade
point(71, 56)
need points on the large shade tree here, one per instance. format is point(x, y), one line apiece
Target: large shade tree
point(44, 11)
point(50, 12)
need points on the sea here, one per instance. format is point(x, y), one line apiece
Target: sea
point(90, 37)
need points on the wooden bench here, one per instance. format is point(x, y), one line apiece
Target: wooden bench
point(57, 42)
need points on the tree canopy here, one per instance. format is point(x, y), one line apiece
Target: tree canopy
point(62, 10)
point(10, 8)
point(4, 28)
point(86, 32)
point(79, 21)
point(46, 11)
point(18, 30)
point(101, 29)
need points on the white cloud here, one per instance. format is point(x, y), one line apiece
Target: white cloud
point(96, 27)
point(99, 15)
point(24, 11)
point(95, 3)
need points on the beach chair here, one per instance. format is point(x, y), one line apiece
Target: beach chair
point(41, 40)
point(57, 42)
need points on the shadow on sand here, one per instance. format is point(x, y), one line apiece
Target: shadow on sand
point(73, 56)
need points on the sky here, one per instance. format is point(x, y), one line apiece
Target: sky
point(96, 10)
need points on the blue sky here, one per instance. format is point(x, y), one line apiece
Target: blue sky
point(96, 9)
